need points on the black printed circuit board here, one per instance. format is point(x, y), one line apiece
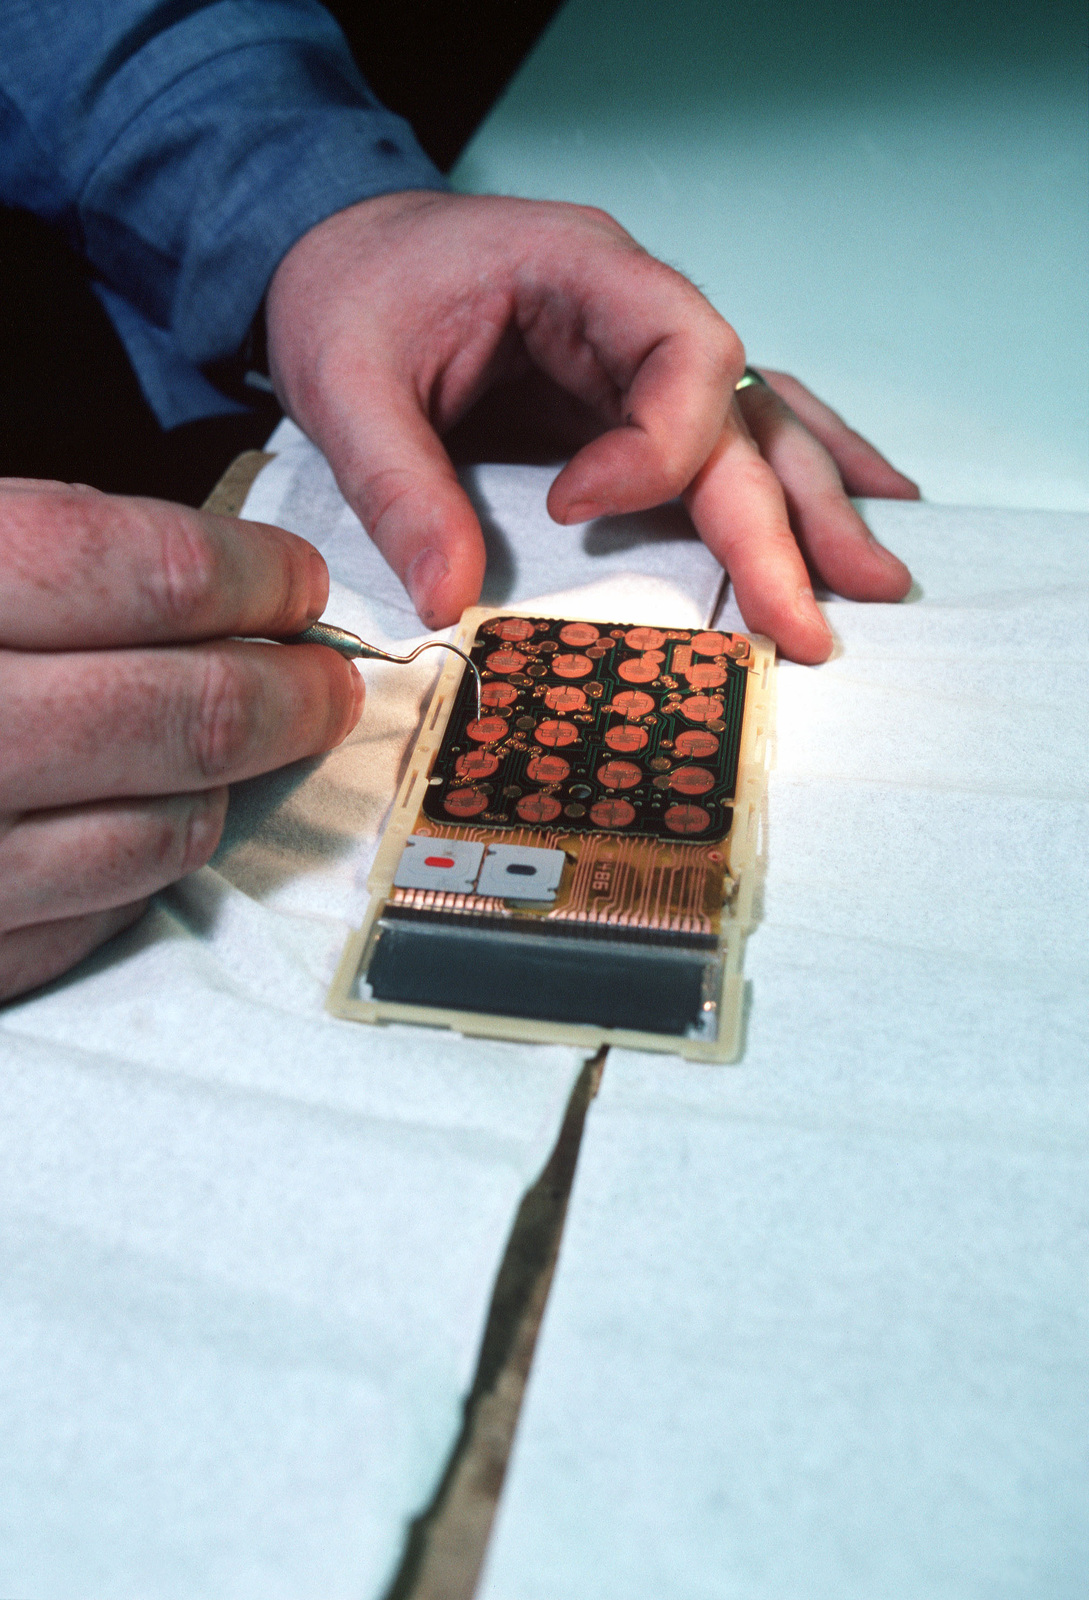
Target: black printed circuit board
point(591, 728)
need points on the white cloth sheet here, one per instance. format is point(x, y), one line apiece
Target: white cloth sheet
point(246, 1249)
point(820, 1327)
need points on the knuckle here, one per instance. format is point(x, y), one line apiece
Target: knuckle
point(724, 348)
point(221, 730)
point(601, 218)
point(381, 494)
point(762, 478)
point(188, 574)
point(675, 464)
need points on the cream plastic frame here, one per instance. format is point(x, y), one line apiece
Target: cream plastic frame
point(741, 862)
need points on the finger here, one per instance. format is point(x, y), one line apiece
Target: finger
point(635, 338)
point(104, 724)
point(863, 469)
point(32, 956)
point(84, 569)
point(398, 478)
point(837, 542)
point(81, 859)
point(739, 511)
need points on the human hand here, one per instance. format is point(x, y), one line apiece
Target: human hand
point(128, 709)
point(389, 321)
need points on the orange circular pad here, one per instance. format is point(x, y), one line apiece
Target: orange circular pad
point(638, 670)
point(476, 764)
point(553, 733)
point(644, 639)
point(538, 808)
point(565, 698)
point(692, 780)
point(632, 703)
point(505, 661)
point(709, 644)
point(701, 708)
point(465, 802)
point(498, 694)
point(612, 814)
point(548, 769)
point(579, 634)
point(619, 775)
point(696, 742)
point(487, 730)
point(626, 738)
point(572, 666)
point(513, 628)
point(705, 674)
point(687, 819)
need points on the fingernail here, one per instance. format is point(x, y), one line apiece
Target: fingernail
point(343, 715)
point(583, 512)
point(423, 577)
point(205, 825)
point(318, 595)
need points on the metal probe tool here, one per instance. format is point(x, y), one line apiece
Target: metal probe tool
point(353, 648)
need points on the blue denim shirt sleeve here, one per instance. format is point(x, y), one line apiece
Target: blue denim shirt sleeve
point(184, 146)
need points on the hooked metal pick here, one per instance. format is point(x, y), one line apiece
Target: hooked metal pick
point(352, 648)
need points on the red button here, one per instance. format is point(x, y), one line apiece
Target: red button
point(438, 861)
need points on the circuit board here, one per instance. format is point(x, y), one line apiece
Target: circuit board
point(575, 861)
point(589, 728)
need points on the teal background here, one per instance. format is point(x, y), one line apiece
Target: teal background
point(890, 203)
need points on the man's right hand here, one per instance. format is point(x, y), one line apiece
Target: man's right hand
point(128, 707)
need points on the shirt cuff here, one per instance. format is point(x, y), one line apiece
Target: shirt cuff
point(296, 174)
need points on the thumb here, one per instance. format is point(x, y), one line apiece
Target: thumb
point(393, 471)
